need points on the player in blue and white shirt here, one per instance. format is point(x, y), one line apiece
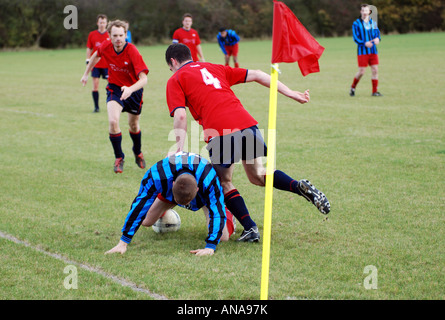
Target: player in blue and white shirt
point(183, 179)
point(366, 35)
point(228, 42)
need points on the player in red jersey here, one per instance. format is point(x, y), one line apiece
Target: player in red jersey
point(189, 37)
point(95, 39)
point(127, 77)
point(229, 130)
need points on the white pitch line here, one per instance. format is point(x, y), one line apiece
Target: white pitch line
point(107, 275)
point(47, 115)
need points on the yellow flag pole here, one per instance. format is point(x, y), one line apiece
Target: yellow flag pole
point(271, 141)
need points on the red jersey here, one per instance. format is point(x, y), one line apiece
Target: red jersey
point(123, 67)
point(95, 40)
point(205, 89)
point(190, 38)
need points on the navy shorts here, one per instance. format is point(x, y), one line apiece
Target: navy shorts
point(99, 72)
point(132, 104)
point(247, 144)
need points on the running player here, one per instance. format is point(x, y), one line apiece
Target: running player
point(190, 37)
point(95, 39)
point(186, 180)
point(127, 77)
point(229, 130)
point(367, 36)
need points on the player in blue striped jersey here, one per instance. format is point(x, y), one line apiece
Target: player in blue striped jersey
point(183, 179)
point(366, 35)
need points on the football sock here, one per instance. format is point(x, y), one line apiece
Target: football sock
point(237, 65)
point(235, 203)
point(375, 83)
point(96, 99)
point(354, 83)
point(229, 223)
point(136, 137)
point(116, 141)
point(283, 182)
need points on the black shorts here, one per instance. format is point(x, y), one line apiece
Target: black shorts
point(99, 72)
point(247, 144)
point(132, 104)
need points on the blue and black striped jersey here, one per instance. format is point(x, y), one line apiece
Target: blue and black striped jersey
point(363, 32)
point(158, 180)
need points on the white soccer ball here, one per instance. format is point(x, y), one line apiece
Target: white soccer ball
point(169, 222)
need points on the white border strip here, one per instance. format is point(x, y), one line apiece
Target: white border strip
point(109, 276)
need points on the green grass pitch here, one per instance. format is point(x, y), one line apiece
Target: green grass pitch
point(380, 161)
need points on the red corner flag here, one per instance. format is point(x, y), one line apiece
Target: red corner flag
point(291, 41)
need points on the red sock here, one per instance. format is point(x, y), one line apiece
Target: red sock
point(375, 83)
point(229, 223)
point(237, 65)
point(354, 84)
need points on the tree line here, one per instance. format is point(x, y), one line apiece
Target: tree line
point(40, 23)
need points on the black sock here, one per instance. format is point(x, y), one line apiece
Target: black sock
point(282, 181)
point(116, 141)
point(96, 99)
point(235, 203)
point(136, 137)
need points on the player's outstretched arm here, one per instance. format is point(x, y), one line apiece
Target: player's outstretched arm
point(120, 248)
point(264, 79)
point(203, 252)
point(93, 61)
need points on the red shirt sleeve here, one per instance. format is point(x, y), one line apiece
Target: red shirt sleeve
point(235, 75)
point(90, 44)
point(138, 62)
point(175, 96)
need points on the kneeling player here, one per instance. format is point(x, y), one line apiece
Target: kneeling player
point(184, 179)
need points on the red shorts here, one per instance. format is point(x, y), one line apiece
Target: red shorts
point(232, 50)
point(365, 60)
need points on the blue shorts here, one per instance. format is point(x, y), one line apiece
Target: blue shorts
point(247, 144)
point(132, 104)
point(98, 72)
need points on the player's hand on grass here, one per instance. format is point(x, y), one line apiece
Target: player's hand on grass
point(120, 248)
point(203, 252)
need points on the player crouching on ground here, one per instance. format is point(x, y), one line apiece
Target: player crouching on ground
point(186, 180)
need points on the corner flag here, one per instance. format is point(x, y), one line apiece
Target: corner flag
point(291, 42)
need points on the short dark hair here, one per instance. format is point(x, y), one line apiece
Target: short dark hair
point(187, 15)
point(184, 189)
point(178, 51)
point(364, 5)
point(222, 29)
point(101, 16)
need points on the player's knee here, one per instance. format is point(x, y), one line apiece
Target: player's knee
point(257, 180)
point(114, 124)
point(147, 223)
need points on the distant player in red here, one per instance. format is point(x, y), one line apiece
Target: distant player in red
point(189, 37)
point(127, 77)
point(95, 39)
point(229, 130)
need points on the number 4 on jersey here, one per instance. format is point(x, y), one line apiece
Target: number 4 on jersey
point(209, 79)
